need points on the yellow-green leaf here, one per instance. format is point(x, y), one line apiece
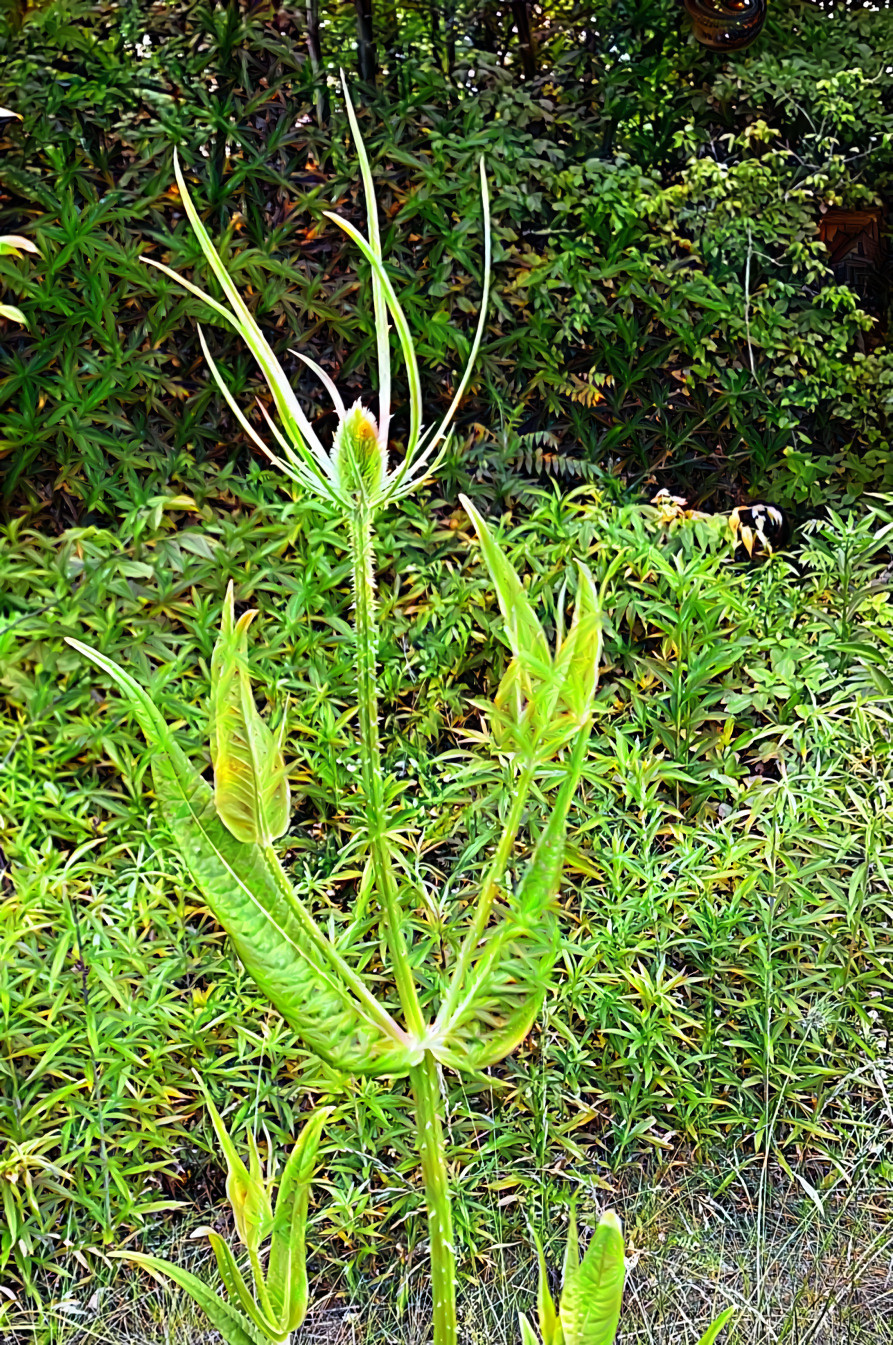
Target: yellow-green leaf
point(273, 934)
point(714, 1328)
point(287, 1273)
point(592, 1292)
point(251, 792)
point(234, 1326)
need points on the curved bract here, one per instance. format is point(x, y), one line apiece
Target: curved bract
point(301, 454)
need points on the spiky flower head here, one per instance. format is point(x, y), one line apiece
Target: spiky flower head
point(359, 457)
point(355, 471)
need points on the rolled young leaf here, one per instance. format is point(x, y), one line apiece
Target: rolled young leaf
point(246, 1191)
point(274, 936)
point(526, 636)
point(577, 659)
point(251, 791)
point(592, 1291)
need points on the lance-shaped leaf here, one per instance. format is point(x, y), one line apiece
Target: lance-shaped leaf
point(287, 1272)
point(571, 1263)
point(246, 1190)
point(251, 791)
point(234, 1326)
point(525, 635)
point(486, 1014)
point(714, 1328)
point(273, 934)
point(541, 701)
point(577, 657)
point(528, 1335)
point(545, 1304)
point(592, 1291)
point(238, 1291)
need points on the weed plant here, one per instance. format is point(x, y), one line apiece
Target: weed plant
point(723, 984)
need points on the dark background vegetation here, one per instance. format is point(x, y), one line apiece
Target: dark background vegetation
point(664, 315)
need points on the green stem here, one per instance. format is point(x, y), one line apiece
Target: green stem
point(360, 528)
point(426, 1091)
point(423, 1077)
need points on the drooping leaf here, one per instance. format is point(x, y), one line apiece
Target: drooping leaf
point(234, 1326)
point(273, 934)
point(592, 1293)
point(251, 792)
point(12, 244)
point(287, 1273)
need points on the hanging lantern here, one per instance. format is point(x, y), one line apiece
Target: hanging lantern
point(726, 25)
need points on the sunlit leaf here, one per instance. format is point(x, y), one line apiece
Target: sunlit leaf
point(274, 936)
point(592, 1293)
point(251, 792)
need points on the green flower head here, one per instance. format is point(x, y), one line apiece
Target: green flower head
point(359, 456)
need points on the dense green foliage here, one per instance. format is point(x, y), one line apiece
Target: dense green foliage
point(663, 304)
point(663, 316)
point(725, 966)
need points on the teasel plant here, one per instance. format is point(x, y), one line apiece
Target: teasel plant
point(226, 833)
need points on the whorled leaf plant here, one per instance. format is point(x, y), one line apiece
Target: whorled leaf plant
point(226, 833)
